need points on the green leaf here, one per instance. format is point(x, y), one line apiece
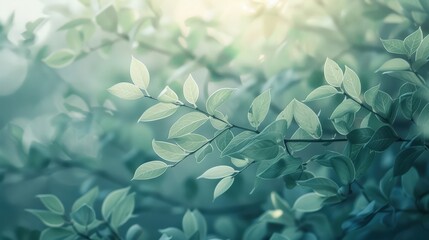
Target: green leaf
point(223, 140)
point(405, 159)
point(396, 64)
point(172, 233)
point(192, 142)
point(383, 104)
point(277, 236)
point(189, 224)
point(239, 162)
point(307, 119)
point(333, 73)
point(158, 111)
point(223, 185)
point(112, 200)
point(394, 46)
point(52, 203)
point(299, 146)
point(218, 172)
point(60, 58)
point(191, 91)
point(310, 202)
point(321, 92)
point(423, 118)
point(168, 151)
point(217, 99)
point(84, 216)
point(126, 91)
point(139, 73)
point(422, 53)
point(56, 234)
point(344, 168)
point(323, 186)
point(360, 135)
point(371, 94)
point(135, 232)
point(74, 23)
point(88, 199)
point(259, 109)
point(149, 170)
point(412, 42)
point(238, 143)
point(201, 154)
point(406, 76)
point(50, 219)
point(287, 113)
point(123, 211)
point(107, 19)
point(167, 95)
point(281, 167)
point(263, 149)
point(351, 84)
point(382, 138)
point(409, 181)
point(345, 107)
point(187, 124)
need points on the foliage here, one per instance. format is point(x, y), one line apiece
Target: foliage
point(313, 128)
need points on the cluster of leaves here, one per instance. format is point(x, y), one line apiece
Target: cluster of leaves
point(82, 223)
point(366, 119)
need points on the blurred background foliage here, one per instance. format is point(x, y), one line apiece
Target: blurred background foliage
point(62, 133)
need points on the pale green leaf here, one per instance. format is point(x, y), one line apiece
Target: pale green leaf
point(107, 19)
point(223, 140)
point(412, 41)
point(202, 153)
point(259, 109)
point(139, 73)
point(321, 92)
point(287, 113)
point(167, 95)
point(168, 151)
point(84, 215)
point(323, 186)
point(189, 224)
point(395, 64)
point(394, 46)
point(307, 119)
point(192, 142)
point(88, 198)
point(217, 99)
point(123, 211)
point(223, 185)
point(310, 202)
point(187, 124)
point(158, 111)
point(345, 107)
point(370, 95)
point(333, 73)
point(60, 58)
point(352, 84)
point(218, 172)
point(422, 53)
point(50, 219)
point(149, 170)
point(56, 234)
point(112, 200)
point(383, 104)
point(191, 91)
point(126, 91)
point(52, 203)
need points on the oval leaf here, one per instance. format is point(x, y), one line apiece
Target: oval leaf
point(149, 170)
point(218, 172)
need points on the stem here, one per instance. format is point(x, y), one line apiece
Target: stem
point(385, 120)
point(84, 236)
point(114, 233)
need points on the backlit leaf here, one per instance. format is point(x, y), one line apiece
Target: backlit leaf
point(149, 170)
